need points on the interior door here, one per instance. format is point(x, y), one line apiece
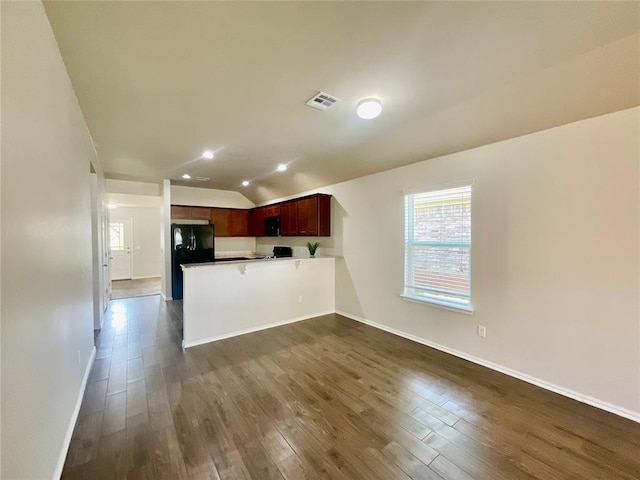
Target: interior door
point(120, 248)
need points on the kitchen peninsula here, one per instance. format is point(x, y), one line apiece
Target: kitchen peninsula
point(225, 299)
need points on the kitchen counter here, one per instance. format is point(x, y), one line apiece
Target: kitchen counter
point(263, 258)
point(225, 299)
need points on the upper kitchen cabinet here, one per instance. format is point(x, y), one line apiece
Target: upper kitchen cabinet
point(272, 210)
point(314, 215)
point(289, 218)
point(256, 221)
point(182, 213)
point(190, 213)
point(230, 222)
point(200, 213)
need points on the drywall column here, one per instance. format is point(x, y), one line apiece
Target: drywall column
point(165, 246)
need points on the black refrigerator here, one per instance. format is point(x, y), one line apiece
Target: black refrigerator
point(189, 244)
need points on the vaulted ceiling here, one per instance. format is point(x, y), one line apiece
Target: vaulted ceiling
point(160, 82)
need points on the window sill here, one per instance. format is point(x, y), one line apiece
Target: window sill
point(445, 306)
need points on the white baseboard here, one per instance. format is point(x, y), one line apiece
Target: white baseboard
point(594, 402)
point(74, 416)
point(145, 276)
point(254, 329)
point(165, 298)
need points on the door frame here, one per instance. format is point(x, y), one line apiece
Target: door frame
point(106, 258)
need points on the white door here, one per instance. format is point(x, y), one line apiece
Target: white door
point(120, 248)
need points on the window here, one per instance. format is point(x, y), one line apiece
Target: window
point(116, 235)
point(437, 243)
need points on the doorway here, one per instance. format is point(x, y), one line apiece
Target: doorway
point(120, 248)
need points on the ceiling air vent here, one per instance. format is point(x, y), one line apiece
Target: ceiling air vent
point(322, 101)
point(203, 179)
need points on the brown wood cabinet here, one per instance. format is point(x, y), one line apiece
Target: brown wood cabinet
point(305, 217)
point(230, 222)
point(289, 218)
point(200, 213)
point(272, 210)
point(183, 212)
point(239, 223)
point(314, 216)
point(259, 215)
point(180, 212)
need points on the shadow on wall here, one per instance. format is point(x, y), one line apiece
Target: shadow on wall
point(347, 299)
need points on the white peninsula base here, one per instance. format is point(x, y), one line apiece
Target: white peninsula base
point(223, 300)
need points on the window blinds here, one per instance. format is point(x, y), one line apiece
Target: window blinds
point(438, 246)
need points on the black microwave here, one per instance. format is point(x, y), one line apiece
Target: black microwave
point(272, 226)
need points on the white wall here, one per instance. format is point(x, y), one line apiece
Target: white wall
point(129, 187)
point(145, 239)
point(209, 197)
point(280, 291)
point(47, 324)
point(555, 268)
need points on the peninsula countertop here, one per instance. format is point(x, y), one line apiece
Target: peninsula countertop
point(251, 259)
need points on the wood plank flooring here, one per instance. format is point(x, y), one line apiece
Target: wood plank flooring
point(324, 398)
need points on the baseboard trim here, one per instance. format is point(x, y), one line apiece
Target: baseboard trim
point(165, 298)
point(237, 333)
point(74, 416)
point(594, 402)
point(145, 276)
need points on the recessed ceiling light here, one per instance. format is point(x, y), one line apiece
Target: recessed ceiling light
point(186, 176)
point(208, 154)
point(245, 183)
point(369, 108)
point(281, 167)
point(111, 206)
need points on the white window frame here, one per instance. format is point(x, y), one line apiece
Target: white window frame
point(424, 299)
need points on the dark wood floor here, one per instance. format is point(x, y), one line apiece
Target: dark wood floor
point(324, 398)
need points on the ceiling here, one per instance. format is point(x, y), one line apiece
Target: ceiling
point(160, 82)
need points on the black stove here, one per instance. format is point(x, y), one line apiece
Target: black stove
point(281, 252)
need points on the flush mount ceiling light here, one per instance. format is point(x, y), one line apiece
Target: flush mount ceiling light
point(369, 108)
point(186, 176)
point(245, 183)
point(208, 154)
point(281, 167)
point(111, 206)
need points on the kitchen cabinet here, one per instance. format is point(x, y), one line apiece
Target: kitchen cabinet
point(314, 215)
point(230, 222)
point(308, 216)
point(257, 221)
point(200, 213)
point(181, 212)
point(289, 218)
point(239, 223)
point(272, 210)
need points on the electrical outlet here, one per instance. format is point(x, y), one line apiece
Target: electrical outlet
point(299, 298)
point(482, 331)
point(78, 357)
